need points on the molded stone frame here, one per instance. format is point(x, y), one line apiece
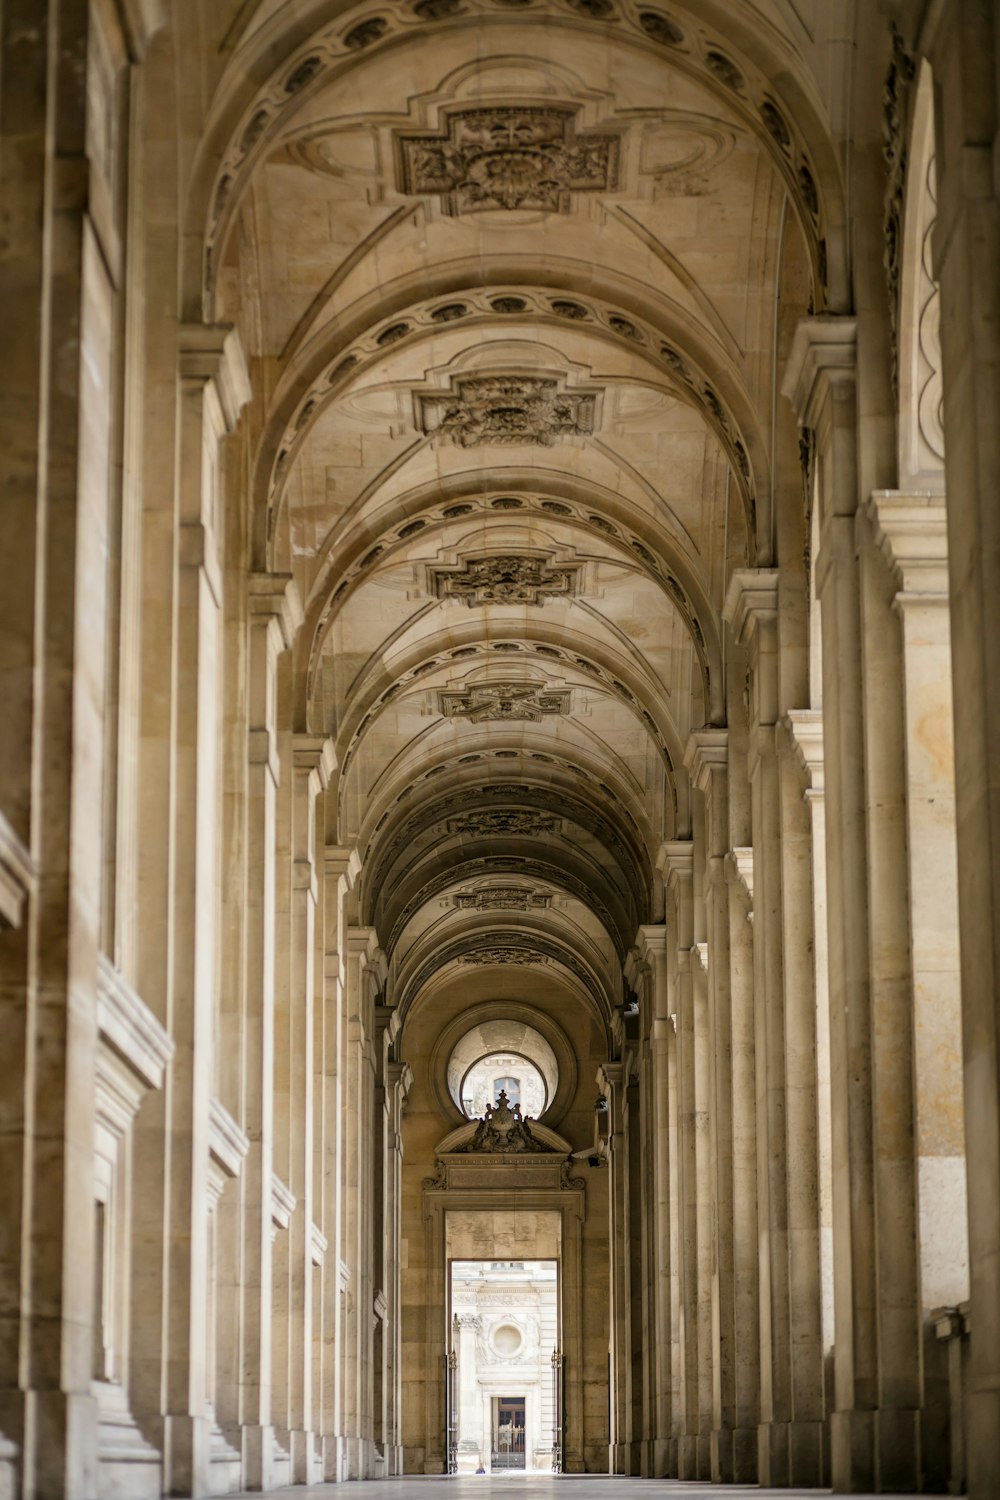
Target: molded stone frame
point(485, 1184)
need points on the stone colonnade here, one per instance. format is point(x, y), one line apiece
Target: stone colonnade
point(199, 1139)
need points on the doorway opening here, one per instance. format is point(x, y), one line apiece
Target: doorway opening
point(505, 1367)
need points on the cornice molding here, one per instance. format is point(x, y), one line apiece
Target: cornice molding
point(751, 600)
point(911, 530)
point(824, 351)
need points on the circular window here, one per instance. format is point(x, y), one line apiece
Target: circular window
point(507, 1339)
point(502, 1055)
point(504, 1073)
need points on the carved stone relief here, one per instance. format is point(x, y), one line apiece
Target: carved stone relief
point(895, 109)
point(501, 898)
point(499, 955)
point(503, 702)
point(506, 579)
point(503, 1129)
point(507, 157)
point(504, 821)
point(506, 410)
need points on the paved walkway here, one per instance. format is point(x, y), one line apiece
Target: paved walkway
point(543, 1487)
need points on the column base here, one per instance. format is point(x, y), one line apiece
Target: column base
point(687, 1457)
point(662, 1450)
point(187, 1455)
point(790, 1453)
point(983, 1450)
point(258, 1458)
point(852, 1452)
point(305, 1460)
point(331, 1458)
point(897, 1436)
point(734, 1455)
point(58, 1435)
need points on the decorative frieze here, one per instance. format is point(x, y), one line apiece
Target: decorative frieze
point(503, 702)
point(489, 822)
point(508, 157)
point(502, 955)
point(501, 898)
point(505, 579)
point(506, 410)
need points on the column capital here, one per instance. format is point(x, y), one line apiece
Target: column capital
point(275, 596)
point(707, 754)
point(804, 727)
point(342, 864)
point(650, 939)
point(823, 354)
point(676, 859)
point(751, 601)
point(211, 353)
point(314, 752)
point(739, 867)
point(911, 530)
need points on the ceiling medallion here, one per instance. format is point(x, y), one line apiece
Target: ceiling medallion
point(507, 410)
point(509, 156)
point(502, 956)
point(505, 579)
point(495, 821)
point(503, 701)
point(501, 898)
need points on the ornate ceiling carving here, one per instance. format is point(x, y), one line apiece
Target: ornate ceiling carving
point(503, 702)
point(502, 954)
point(501, 898)
point(505, 579)
point(507, 410)
point(505, 820)
point(507, 157)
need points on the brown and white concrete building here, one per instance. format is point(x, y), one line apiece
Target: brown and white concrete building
point(499, 588)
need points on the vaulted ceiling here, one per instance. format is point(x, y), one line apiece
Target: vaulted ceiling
point(508, 275)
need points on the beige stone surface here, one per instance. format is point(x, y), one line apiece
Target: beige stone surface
point(499, 547)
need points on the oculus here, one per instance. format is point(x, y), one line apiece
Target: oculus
point(505, 579)
point(485, 701)
point(508, 157)
point(507, 410)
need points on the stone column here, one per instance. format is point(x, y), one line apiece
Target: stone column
point(963, 48)
point(365, 963)
point(471, 1438)
point(651, 945)
point(739, 878)
point(691, 1084)
point(790, 1449)
point(313, 761)
point(821, 384)
point(341, 870)
point(398, 1079)
point(707, 761)
point(275, 613)
point(910, 529)
point(805, 726)
point(611, 1079)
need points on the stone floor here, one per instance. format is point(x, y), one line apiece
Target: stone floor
point(549, 1487)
